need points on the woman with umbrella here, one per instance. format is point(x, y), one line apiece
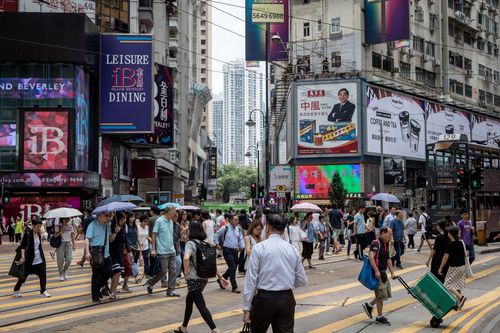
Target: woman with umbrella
point(33, 259)
point(117, 244)
point(65, 251)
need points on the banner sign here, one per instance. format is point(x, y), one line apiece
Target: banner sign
point(403, 123)
point(212, 163)
point(386, 20)
point(50, 179)
point(327, 119)
point(442, 119)
point(57, 6)
point(38, 206)
point(486, 130)
point(143, 169)
point(126, 84)
point(36, 88)
point(313, 181)
point(107, 158)
point(394, 171)
point(280, 177)
point(46, 140)
point(258, 15)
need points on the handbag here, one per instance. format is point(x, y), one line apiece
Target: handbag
point(468, 269)
point(55, 242)
point(154, 266)
point(246, 329)
point(367, 275)
point(17, 270)
point(97, 253)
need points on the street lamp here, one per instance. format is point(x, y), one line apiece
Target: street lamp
point(249, 154)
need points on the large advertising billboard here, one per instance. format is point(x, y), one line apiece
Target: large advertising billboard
point(38, 205)
point(442, 119)
point(82, 126)
point(386, 20)
point(50, 179)
point(126, 83)
point(57, 6)
point(313, 181)
point(46, 140)
point(9, 5)
point(258, 15)
point(486, 130)
point(403, 122)
point(327, 119)
point(36, 88)
point(280, 176)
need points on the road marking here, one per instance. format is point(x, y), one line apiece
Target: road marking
point(19, 313)
point(55, 283)
point(479, 316)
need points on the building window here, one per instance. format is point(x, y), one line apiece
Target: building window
point(335, 26)
point(8, 159)
point(467, 38)
point(456, 87)
point(203, 32)
point(482, 71)
point(497, 100)
point(489, 98)
point(404, 69)
point(418, 44)
point(203, 42)
point(425, 77)
point(306, 2)
point(203, 61)
point(320, 26)
point(307, 29)
point(482, 95)
point(388, 64)
point(419, 14)
point(467, 63)
point(336, 59)
point(203, 70)
point(468, 91)
point(429, 49)
point(203, 51)
point(376, 60)
point(203, 23)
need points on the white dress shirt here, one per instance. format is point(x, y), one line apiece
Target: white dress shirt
point(274, 265)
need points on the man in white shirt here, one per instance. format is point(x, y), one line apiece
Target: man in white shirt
point(274, 269)
point(389, 217)
point(426, 236)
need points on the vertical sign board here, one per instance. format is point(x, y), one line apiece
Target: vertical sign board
point(386, 20)
point(280, 177)
point(126, 84)
point(259, 14)
point(212, 163)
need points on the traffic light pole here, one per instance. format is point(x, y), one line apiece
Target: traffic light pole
point(258, 177)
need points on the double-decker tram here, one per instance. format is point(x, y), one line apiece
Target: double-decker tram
point(462, 175)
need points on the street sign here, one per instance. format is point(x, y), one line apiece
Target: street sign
point(280, 195)
point(280, 188)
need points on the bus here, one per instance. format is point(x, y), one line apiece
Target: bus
point(445, 160)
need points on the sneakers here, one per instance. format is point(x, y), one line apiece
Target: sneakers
point(399, 266)
point(105, 291)
point(61, 277)
point(382, 321)
point(149, 289)
point(368, 309)
point(172, 294)
point(17, 294)
point(45, 295)
point(126, 290)
point(65, 274)
point(461, 302)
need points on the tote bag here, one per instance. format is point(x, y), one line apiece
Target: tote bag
point(468, 269)
point(367, 275)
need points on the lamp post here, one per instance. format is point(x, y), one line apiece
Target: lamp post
point(249, 154)
point(251, 123)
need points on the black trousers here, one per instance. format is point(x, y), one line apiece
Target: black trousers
point(241, 262)
point(411, 241)
point(40, 271)
point(360, 245)
point(231, 258)
point(275, 308)
point(100, 277)
point(196, 297)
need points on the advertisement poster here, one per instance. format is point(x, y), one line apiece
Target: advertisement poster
point(46, 144)
point(327, 119)
point(36, 88)
point(9, 5)
point(82, 120)
point(280, 175)
point(50, 179)
point(126, 84)
point(8, 135)
point(163, 110)
point(403, 123)
point(445, 120)
point(107, 159)
point(38, 206)
point(394, 171)
point(212, 163)
point(386, 20)
point(314, 181)
point(486, 130)
point(259, 14)
point(57, 6)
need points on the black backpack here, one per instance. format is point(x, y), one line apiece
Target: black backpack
point(428, 224)
point(206, 260)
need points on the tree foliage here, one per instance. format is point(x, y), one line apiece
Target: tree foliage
point(337, 192)
point(232, 179)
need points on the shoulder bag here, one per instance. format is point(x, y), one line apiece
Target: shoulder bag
point(97, 252)
point(468, 269)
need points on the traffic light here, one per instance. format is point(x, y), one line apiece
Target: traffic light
point(156, 201)
point(253, 190)
point(477, 178)
point(463, 179)
point(6, 197)
point(261, 191)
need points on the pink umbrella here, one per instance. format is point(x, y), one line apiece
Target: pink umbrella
point(306, 207)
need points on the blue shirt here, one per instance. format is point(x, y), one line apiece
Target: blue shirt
point(335, 217)
point(359, 219)
point(164, 230)
point(233, 238)
point(95, 234)
point(310, 232)
point(398, 228)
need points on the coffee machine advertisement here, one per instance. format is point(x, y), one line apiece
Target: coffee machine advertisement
point(327, 119)
point(442, 119)
point(486, 131)
point(403, 123)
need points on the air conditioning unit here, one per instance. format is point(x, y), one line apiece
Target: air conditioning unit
point(411, 53)
point(437, 62)
point(395, 70)
point(469, 73)
point(482, 103)
point(458, 38)
point(431, 2)
point(482, 5)
point(425, 58)
point(403, 51)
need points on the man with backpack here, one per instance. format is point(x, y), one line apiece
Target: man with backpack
point(381, 262)
point(230, 239)
point(425, 221)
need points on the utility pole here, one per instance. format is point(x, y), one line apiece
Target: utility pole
point(381, 168)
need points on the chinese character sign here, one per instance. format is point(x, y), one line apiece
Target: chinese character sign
point(126, 84)
point(59, 6)
point(212, 163)
point(280, 176)
point(386, 20)
point(46, 140)
point(327, 119)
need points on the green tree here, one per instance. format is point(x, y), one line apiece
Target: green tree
point(232, 179)
point(337, 192)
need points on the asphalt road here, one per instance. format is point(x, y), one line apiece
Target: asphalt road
point(331, 302)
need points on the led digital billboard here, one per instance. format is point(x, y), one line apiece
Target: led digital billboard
point(313, 181)
point(36, 88)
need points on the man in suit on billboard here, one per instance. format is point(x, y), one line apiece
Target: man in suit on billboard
point(343, 111)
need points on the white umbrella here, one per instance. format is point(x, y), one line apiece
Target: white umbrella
point(387, 197)
point(63, 212)
point(188, 208)
point(305, 207)
point(114, 207)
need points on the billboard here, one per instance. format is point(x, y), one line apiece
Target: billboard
point(280, 175)
point(403, 122)
point(126, 83)
point(442, 119)
point(395, 171)
point(212, 163)
point(313, 181)
point(258, 15)
point(38, 206)
point(82, 127)
point(46, 140)
point(50, 179)
point(107, 158)
point(36, 88)
point(486, 130)
point(327, 119)
point(386, 20)
point(8, 135)
point(143, 169)
point(8, 5)
point(57, 6)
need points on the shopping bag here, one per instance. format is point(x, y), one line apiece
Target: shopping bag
point(246, 329)
point(468, 269)
point(154, 266)
point(17, 270)
point(367, 276)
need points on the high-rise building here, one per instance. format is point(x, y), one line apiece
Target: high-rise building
point(218, 125)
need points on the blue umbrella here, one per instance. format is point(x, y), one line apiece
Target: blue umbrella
point(165, 205)
point(387, 197)
point(122, 198)
point(114, 207)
